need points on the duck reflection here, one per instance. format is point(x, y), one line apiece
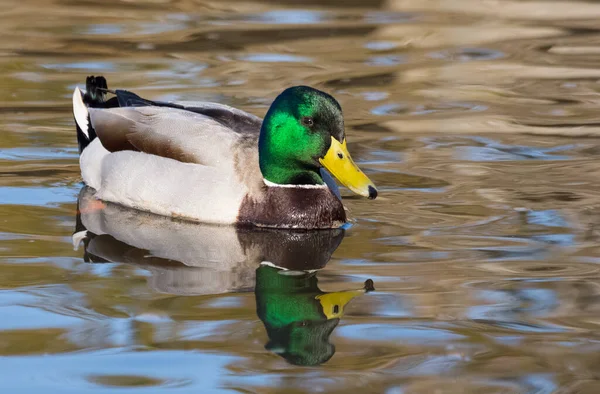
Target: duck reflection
point(193, 259)
point(298, 316)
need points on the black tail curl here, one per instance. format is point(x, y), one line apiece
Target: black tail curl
point(96, 91)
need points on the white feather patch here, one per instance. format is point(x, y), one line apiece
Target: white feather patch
point(77, 238)
point(80, 112)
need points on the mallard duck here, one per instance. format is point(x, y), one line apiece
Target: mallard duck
point(217, 164)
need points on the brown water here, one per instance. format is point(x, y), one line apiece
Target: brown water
point(475, 118)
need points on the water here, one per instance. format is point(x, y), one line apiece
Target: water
point(476, 119)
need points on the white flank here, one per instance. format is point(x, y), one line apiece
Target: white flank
point(170, 188)
point(90, 163)
point(80, 112)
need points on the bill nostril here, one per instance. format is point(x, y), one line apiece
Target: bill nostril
point(340, 155)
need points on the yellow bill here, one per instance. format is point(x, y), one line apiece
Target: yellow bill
point(339, 163)
point(333, 303)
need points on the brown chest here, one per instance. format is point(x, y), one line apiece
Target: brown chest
point(286, 207)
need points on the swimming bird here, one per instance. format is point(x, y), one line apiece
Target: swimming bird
point(213, 163)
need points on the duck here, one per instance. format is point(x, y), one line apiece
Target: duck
point(213, 163)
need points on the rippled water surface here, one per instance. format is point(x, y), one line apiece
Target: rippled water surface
point(476, 119)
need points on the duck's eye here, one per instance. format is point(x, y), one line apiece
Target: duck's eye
point(308, 121)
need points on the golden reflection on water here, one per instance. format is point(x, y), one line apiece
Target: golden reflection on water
point(477, 119)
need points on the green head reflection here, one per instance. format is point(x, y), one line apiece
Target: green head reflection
point(298, 316)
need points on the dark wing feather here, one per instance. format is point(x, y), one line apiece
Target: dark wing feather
point(129, 99)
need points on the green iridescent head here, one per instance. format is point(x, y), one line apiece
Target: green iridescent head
point(302, 132)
